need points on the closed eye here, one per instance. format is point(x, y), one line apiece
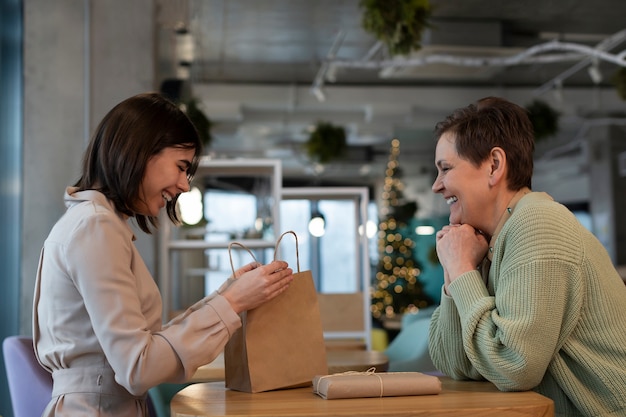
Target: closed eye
point(184, 166)
point(442, 166)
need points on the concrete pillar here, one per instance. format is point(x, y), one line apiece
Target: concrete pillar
point(81, 57)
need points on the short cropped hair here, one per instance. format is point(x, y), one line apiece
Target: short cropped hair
point(491, 122)
point(129, 135)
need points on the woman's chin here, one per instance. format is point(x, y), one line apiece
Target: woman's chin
point(152, 211)
point(455, 215)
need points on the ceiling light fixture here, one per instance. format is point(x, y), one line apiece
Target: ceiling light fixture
point(184, 52)
point(319, 94)
point(317, 224)
point(594, 72)
point(322, 73)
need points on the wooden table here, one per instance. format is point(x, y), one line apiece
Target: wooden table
point(338, 361)
point(457, 399)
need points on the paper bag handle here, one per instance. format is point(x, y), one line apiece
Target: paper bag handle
point(230, 255)
point(297, 253)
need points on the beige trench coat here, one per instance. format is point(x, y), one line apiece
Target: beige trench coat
point(97, 317)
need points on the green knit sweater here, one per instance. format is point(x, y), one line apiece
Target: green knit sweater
point(552, 317)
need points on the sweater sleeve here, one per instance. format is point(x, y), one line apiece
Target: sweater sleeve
point(511, 337)
point(445, 342)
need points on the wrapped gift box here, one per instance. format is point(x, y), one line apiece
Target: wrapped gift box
point(372, 384)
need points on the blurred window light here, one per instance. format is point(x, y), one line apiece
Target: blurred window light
point(190, 206)
point(425, 230)
point(370, 229)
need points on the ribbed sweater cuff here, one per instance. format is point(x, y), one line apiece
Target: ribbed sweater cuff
point(447, 303)
point(466, 290)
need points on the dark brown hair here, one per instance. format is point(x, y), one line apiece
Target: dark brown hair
point(128, 136)
point(491, 122)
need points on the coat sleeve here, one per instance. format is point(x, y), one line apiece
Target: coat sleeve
point(112, 280)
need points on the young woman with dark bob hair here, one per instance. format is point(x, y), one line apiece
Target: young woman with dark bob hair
point(531, 299)
point(97, 323)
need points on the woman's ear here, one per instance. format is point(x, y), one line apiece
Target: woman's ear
point(497, 158)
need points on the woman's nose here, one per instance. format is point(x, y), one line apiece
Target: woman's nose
point(183, 183)
point(436, 187)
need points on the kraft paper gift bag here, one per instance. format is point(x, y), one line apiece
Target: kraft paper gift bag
point(281, 343)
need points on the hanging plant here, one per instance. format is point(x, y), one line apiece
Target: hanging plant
point(544, 118)
point(397, 23)
point(200, 120)
point(619, 80)
point(326, 142)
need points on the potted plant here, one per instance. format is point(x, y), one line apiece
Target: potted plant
point(326, 142)
point(200, 120)
point(544, 118)
point(397, 23)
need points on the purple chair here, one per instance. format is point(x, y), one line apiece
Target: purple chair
point(30, 385)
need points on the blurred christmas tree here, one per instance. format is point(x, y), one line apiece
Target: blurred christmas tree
point(396, 288)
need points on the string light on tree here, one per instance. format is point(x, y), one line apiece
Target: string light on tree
point(396, 288)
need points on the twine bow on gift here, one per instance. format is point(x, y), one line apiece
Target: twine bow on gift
point(370, 371)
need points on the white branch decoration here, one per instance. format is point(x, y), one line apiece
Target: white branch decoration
point(545, 53)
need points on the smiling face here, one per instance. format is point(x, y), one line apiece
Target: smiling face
point(165, 177)
point(464, 185)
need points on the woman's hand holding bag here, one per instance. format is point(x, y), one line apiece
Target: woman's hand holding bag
point(255, 284)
